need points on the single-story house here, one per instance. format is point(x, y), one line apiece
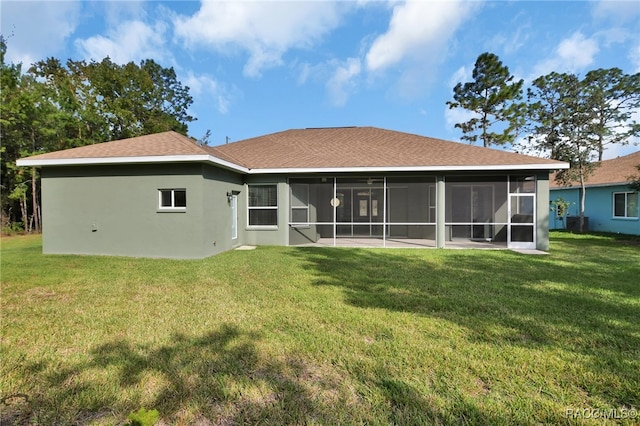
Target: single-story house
point(611, 205)
point(163, 195)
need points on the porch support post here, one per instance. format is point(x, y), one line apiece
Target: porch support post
point(542, 216)
point(335, 216)
point(384, 212)
point(440, 216)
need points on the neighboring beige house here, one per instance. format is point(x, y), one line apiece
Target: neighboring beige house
point(163, 195)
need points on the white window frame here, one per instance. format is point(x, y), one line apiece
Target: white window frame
point(249, 207)
point(173, 206)
point(626, 204)
point(304, 224)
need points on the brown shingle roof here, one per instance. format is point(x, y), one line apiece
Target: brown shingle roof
point(610, 172)
point(363, 147)
point(326, 148)
point(158, 144)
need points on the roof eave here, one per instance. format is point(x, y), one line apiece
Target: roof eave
point(34, 162)
point(595, 185)
point(511, 167)
point(26, 162)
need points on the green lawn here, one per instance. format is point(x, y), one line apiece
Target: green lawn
point(284, 335)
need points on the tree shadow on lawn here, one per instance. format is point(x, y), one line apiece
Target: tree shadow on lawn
point(218, 378)
point(505, 299)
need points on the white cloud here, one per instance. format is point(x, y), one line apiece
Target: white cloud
point(457, 115)
point(614, 35)
point(116, 12)
point(130, 41)
point(417, 30)
point(305, 70)
point(510, 43)
point(203, 87)
point(461, 75)
point(37, 30)
point(619, 12)
point(572, 54)
point(577, 50)
point(265, 30)
point(341, 83)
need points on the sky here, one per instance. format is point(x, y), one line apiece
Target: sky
point(259, 67)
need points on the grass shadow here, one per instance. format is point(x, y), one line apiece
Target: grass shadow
point(571, 302)
point(220, 378)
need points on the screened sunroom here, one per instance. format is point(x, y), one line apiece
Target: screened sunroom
point(413, 211)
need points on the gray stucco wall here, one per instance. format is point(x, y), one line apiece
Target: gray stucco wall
point(216, 218)
point(114, 210)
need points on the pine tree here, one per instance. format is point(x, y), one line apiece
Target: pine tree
point(494, 98)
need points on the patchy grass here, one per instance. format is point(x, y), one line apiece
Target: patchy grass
point(284, 335)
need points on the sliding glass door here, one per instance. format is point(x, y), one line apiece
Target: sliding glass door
point(360, 211)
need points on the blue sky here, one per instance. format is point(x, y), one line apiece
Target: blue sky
point(261, 67)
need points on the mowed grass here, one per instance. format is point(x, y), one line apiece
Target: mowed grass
point(284, 335)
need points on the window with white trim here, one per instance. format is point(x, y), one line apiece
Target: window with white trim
point(172, 199)
point(299, 204)
point(263, 205)
point(625, 204)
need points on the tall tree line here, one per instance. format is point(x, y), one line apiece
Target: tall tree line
point(565, 117)
point(53, 106)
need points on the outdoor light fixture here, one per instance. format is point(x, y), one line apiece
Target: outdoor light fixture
point(229, 196)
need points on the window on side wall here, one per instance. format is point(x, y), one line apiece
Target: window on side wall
point(625, 204)
point(263, 205)
point(172, 199)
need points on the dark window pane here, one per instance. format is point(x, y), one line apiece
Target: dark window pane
point(522, 234)
point(165, 198)
point(263, 217)
point(180, 198)
point(619, 204)
point(263, 196)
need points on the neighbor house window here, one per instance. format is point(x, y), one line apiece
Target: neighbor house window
point(300, 204)
point(175, 199)
point(263, 205)
point(625, 204)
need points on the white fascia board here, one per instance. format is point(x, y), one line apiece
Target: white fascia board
point(131, 160)
point(295, 170)
point(228, 164)
point(412, 169)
